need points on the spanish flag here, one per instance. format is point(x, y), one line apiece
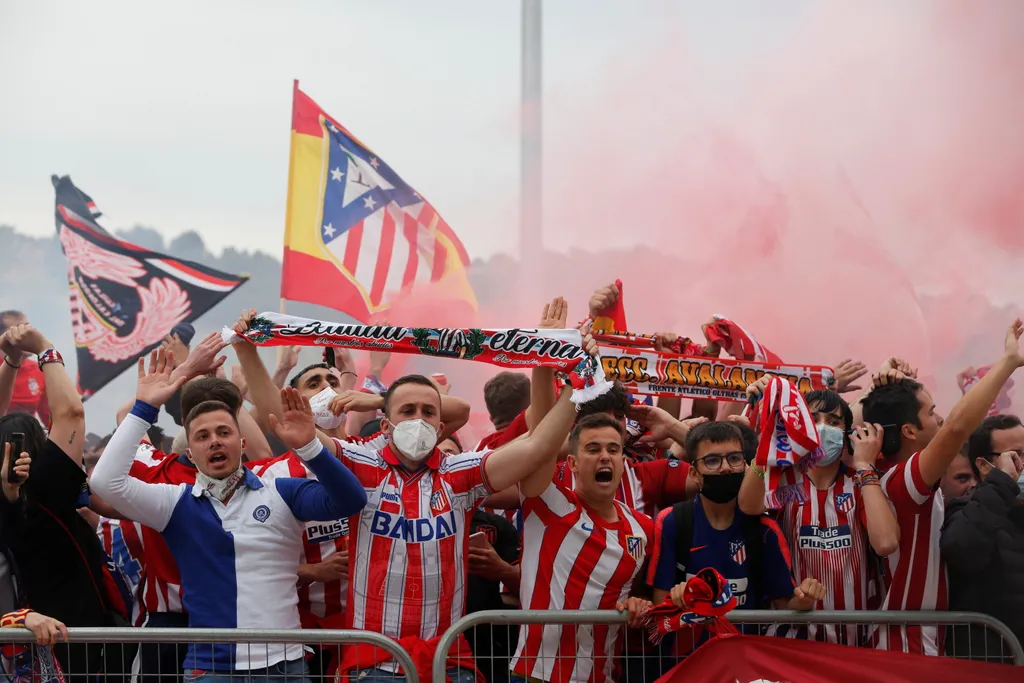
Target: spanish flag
point(357, 236)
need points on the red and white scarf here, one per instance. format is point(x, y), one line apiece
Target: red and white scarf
point(788, 444)
point(737, 342)
point(517, 348)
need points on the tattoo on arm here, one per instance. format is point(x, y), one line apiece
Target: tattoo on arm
point(72, 439)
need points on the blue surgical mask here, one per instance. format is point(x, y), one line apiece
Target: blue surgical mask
point(831, 440)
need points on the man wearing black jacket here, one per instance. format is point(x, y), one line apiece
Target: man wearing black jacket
point(983, 541)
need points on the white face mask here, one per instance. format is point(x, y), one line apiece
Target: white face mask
point(322, 415)
point(415, 438)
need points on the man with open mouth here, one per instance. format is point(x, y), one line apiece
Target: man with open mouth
point(591, 539)
point(237, 539)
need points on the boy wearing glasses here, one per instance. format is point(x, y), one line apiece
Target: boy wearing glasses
point(711, 531)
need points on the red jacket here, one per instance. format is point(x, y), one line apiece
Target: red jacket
point(29, 394)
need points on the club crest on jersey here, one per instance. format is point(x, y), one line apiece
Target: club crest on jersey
point(261, 514)
point(844, 502)
point(490, 531)
point(33, 386)
point(738, 550)
point(635, 547)
point(438, 501)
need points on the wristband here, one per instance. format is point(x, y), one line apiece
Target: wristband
point(50, 356)
point(145, 411)
point(758, 471)
point(349, 372)
point(310, 450)
point(866, 478)
point(8, 361)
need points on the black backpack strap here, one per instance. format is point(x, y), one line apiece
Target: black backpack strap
point(683, 513)
point(753, 538)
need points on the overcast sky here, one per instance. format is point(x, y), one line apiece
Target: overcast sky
point(178, 118)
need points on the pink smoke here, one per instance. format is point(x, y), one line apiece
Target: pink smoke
point(876, 158)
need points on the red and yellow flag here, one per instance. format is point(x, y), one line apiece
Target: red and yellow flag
point(357, 236)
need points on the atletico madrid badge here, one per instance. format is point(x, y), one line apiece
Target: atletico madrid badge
point(739, 552)
point(438, 501)
point(635, 547)
point(844, 502)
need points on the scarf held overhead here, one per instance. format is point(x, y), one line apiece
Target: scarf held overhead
point(658, 373)
point(516, 348)
point(788, 443)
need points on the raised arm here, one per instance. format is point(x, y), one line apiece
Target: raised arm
point(67, 415)
point(542, 380)
point(149, 504)
point(883, 529)
point(971, 409)
point(336, 492)
point(12, 357)
point(530, 461)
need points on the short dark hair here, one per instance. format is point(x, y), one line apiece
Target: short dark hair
point(202, 389)
point(979, 444)
point(294, 381)
point(594, 421)
point(615, 401)
point(9, 313)
point(156, 436)
point(207, 407)
point(712, 432)
point(27, 424)
point(894, 405)
point(506, 395)
point(829, 401)
point(369, 428)
point(406, 379)
point(455, 440)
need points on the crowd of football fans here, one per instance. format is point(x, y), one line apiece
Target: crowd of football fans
point(317, 498)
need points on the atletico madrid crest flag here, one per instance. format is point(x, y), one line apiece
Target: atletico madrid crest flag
point(357, 235)
point(124, 299)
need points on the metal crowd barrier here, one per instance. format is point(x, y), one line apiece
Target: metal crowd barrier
point(121, 669)
point(644, 663)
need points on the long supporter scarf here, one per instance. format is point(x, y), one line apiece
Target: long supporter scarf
point(518, 348)
point(788, 444)
point(648, 372)
point(707, 598)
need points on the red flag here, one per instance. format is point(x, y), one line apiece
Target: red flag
point(613, 318)
point(737, 342)
point(759, 658)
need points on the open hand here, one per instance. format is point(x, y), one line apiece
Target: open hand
point(204, 360)
point(847, 372)
point(171, 342)
point(1012, 344)
point(157, 386)
point(555, 315)
point(296, 427)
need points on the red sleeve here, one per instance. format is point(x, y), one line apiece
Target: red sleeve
point(663, 481)
point(905, 487)
point(513, 431)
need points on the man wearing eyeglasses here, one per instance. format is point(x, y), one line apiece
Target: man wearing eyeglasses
point(711, 531)
point(983, 540)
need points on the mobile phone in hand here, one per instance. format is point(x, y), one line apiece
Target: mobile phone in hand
point(17, 442)
point(478, 540)
point(329, 356)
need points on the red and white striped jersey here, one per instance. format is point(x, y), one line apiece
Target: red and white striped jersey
point(408, 547)
point(646, 487)
point(573, 559)
point(160, 585)
point(828, 541)
point(915, 573)
point(319, 600)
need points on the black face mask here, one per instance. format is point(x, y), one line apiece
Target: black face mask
point(721, 488)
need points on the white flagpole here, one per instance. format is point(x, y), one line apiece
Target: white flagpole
point(530, 169)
